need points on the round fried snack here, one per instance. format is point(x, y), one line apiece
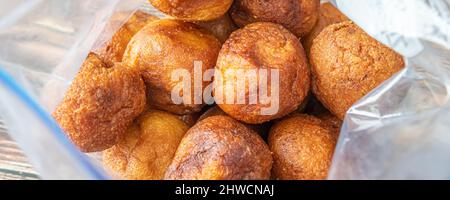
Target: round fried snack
point(220, 148)
point(221, 27)
point(299, 16)
point(255, 48)
point(347, 64)
point(193, 10)
point(147, 149)
point(100, 104)
point(165, 47)
point(302, 148)
point(328, 15)
point(113, 50)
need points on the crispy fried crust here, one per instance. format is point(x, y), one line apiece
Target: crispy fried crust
point(334, 122)
point(112, 51)
point(302, 148)
point(328, 15)
point(147, 149)
point(261, 129)
point(100, 104)
point(347, 64)
point(193, 10)
point(221, 27)
point(214, 111)
point(220, 148)
point(190, 119)
point(165, 46)
point(263, 45)
point(299, 16)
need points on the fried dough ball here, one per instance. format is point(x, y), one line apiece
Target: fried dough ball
point(193, 10)
point(147, 149)
point(302, 148)
point(164, 47)
point(113, 50)
point(221, 27)
point(260, 46)
point(221, 148)
point(299, 16)
point(100, 104)
point(328, 15)
point(347, 64)
point(261, 129)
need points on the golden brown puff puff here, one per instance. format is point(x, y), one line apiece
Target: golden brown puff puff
point(147, 149)
point(112, 51)
point(347, 64)
point(221, 148)
point(260, 46)
point(328, 15)
point(261, 129)
point(221, 27)
point(193, 10)
point(164, 47)
point(302, 147)
point(100, 104)
point(299, 16)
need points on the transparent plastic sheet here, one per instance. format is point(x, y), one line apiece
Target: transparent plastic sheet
point(42, 45)
point(401, 130)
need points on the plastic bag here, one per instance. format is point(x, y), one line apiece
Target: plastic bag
point(42, 45)
point(402, 129)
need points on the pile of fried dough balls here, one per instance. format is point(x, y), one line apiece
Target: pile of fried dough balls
point(120, 101)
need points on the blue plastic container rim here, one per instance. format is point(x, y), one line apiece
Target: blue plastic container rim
point(57, 132)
